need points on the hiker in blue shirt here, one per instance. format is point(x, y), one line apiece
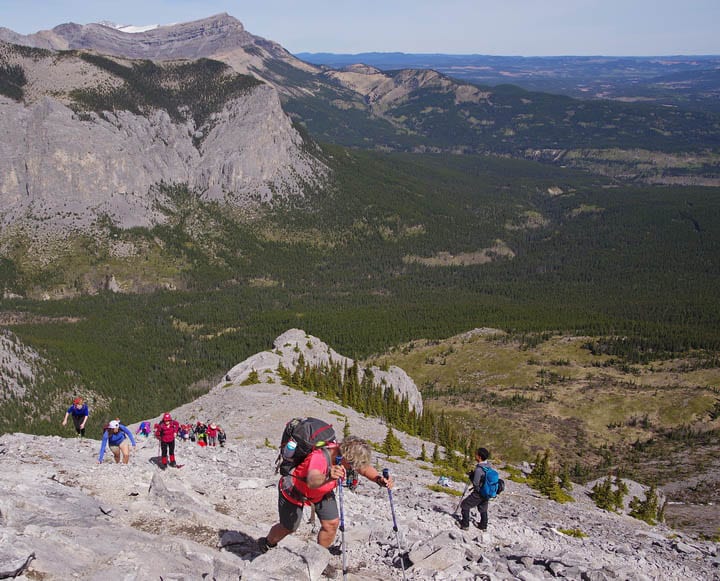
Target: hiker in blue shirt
point(116, 435)
point(79, 412)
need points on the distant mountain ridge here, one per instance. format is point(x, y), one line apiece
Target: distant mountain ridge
point(221, 37)
point(159, 43)
point(400, 110)
point(583, 77)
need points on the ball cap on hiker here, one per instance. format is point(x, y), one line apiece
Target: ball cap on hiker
point(167, 417)
point(78, 400)
point(114, 424)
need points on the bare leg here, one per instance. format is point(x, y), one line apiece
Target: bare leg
point(125, 453)
point(116, 453)
point(277, 533)
point(328, 530)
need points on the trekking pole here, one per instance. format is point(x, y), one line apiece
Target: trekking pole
point(338, 460)
point(386, 475)
point(467, 485)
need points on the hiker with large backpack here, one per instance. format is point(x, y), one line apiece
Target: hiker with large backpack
point(311, 465)
point(485, 482)
point(165, 432)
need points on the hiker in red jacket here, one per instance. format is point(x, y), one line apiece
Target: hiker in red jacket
point(313, 483)
point(212, 433)
point(165, 431)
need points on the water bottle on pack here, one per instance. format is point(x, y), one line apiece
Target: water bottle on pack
point(289, 449)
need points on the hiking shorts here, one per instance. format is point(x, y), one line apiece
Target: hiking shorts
point(123, 447)
point(291, 513)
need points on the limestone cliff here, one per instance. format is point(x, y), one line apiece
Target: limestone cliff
point(61, 163)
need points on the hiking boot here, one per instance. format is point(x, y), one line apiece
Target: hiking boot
point(173, 464)
point(477, 524)
point(264, 546)
point(162, 466)
point(463, 527)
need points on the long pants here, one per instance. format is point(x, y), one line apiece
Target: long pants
point(77, 421)
point(471, 501)
point(167, 448)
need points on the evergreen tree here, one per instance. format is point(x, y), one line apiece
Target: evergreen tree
point(392, 446)
point(545, 479)
point(646, 509)
point(565, 482)
point(436, 455)
point(602, 494)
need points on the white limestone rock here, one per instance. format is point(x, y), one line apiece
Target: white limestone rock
point(88, 521)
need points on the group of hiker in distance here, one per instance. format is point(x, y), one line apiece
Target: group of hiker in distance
point(312, 464)
point(119, 438)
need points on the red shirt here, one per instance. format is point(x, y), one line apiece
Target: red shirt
point(316, 460)
point(166, 431)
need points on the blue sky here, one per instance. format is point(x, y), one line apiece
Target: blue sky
point(499, 27)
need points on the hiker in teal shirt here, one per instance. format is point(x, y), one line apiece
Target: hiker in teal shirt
point(116, 435)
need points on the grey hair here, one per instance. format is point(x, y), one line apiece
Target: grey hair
point(356, 451)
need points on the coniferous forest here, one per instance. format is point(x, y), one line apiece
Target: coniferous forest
point(398, 247)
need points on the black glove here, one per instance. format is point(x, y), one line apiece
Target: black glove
point(471, 474)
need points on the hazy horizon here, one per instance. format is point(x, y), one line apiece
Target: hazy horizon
point(462, 27)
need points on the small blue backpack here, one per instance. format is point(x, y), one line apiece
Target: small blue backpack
point(491, 486)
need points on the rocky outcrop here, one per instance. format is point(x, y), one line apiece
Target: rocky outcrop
point(383, 91)
point(20, 366)
point(293, 343)
point(69, 517)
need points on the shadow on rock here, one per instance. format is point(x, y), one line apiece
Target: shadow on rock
point(238, 543)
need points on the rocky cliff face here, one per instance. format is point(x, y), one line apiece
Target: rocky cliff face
point(62, 165)
point(70, 517)
point(20, 366)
